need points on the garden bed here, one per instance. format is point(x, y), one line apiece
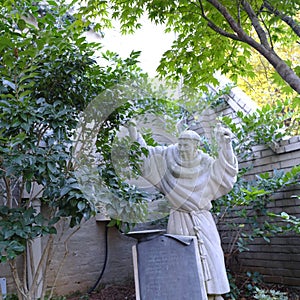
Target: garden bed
point(127, 292)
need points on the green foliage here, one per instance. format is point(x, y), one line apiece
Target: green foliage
point(267, 125)
point(262, 294)
point(257, 195)
point(250, 201)
point(122, 157)
point(49, 75)
point(212, 35)
point(11, 297)
point(234, 289)
point(291, 223)
point(48, 78)
point(18, 225)
point(243, 285)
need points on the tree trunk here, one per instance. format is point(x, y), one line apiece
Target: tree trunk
point(264, 48)
point(285, 72)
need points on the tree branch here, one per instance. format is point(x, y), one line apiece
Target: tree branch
point(238, 4)
point(25, 275)
point(264, 49)
point(61, 263)
point(202, 9)
point(255, 22)
point(288, 20)
point(269, 34)
point(222, 31)
point(230, 20)
point(20, 287)
point(9, 201)
point(216, 28)
point(46, 259)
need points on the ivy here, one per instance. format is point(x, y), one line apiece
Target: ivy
point(267, 125)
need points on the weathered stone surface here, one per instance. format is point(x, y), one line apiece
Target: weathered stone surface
point(169, 268)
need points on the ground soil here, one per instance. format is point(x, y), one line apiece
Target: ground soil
point(108, 292)
point(114, 292)
point(127, 292)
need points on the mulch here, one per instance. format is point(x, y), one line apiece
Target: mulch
point(127, 292)
point(109, 292)
point(114, 292)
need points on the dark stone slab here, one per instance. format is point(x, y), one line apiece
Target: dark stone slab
point(168, 268)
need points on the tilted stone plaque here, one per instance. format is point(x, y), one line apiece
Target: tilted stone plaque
point(168, 267)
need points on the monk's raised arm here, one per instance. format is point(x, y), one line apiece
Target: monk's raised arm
point(224, 137)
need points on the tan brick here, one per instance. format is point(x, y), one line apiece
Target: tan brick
point(292, 147)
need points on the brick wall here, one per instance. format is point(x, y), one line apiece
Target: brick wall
point(278, 260)
point(86, 257)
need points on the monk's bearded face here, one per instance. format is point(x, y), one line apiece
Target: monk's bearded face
point(187, 149)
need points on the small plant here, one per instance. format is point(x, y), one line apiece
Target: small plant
point(263, 294)
point(242, 285)
point(234, 289)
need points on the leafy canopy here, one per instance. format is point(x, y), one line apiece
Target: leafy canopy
point(213, 35)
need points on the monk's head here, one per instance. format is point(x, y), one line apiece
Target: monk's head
point(188, 143)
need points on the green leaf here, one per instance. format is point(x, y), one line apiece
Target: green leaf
point(9, 83)
point(285, 216)
point(8, 233)
point(53, 221)
point(112, 223)
point(5, 42)
point(39, 219)
point(52, 230)
point(65, 190)
point(52, 168)
point(81, 205)
point(25, 93)
point(21, 233)
point(28, 186)
point(21, 24)
point(17, 247)
point(53, 3)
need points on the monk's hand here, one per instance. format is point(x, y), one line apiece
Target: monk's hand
point(223, 135)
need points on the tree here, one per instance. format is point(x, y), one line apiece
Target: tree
point(215, 35)
point(262, 89)
point(49, 75)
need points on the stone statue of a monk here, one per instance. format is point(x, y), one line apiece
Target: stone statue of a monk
point(190, 180)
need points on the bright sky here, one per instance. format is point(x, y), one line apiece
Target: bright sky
point(150, 39)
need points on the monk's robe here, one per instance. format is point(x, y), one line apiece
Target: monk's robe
point(190, 186)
